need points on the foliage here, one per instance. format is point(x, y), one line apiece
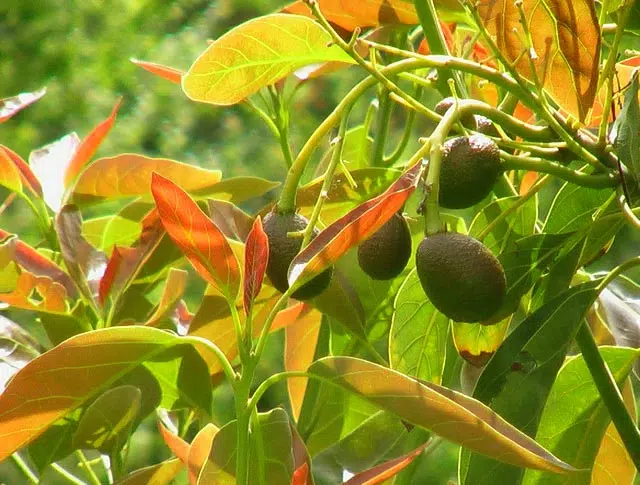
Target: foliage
point(369, 382)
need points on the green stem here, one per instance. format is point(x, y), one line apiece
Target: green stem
point(599, 181)
point(271, 380)
point(68, 476)
point(243, 417)
point(262, 339)
point(87, 467)
point(627, 212)
point(609, 392)
point(24, 468)
point(227, 368)
point(382, 127)
point(264, 116)
point(406, 134)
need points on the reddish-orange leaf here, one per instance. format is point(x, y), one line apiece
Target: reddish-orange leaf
point(169, 304)
point(38, 293)
point(9, 174)
point(301, 459)
point(624, 71)
point(11, 106)
point(109, 274)
point(197, 236)
point(256, 256)
point(34, 262)
point(301, 475)
point(177, 445)
point(28, 177)
point(301, 338)
point(165, 72)
point(89, 145)
point(162, 473)
point(447, 31)
point(384, 471)
point(199, 451)
point(528, 180)
point(353, 228)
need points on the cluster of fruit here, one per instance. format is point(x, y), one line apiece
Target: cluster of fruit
point(459, 275)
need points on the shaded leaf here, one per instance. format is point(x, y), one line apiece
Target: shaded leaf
point(301, 460)
point(129, 175)
point(418, 336)
point(237, 189)
point(380, 473)
point(272, 459)
point(165, 72)
point(450, 414)
point(566, 40)
point(199, 451)
point(625, 131)
point(17, 349)
point(28, 177)
point(175, 284)
point(197, 237)
point(256, 257)
point(49, 164)
point(573, 208)
point(160, 474)
point(61, 380)
point(621, 309)
point(89, 146)
point(108, 421)
point(575, 419)
point(353, 228)
point(232, 222)
point(301, 338)
point(11, 106)
point(256, 54)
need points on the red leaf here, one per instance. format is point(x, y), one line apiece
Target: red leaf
point(380, 473)
point(301, 475)
point(447, 32)
point(113, 265)
point(165, 72)
point(11, 106)
point(256, 257)
point(177, 445)
point(353, 228)
point(89, 145)
point(197, 237)
point(27, 176)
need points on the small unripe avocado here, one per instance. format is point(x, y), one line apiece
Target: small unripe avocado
point(485, 126)
point(460, 276)
point(468, 120)
point(385, 254)
point(282, 250)
point(469, 169)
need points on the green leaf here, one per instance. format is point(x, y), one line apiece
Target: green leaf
point(418, 336)
point(575, 419)
point(256, 54)
point(626, 129)
point(448, 413)
point(477, 343)
point(237, 189)
point(573, 208)
point(517, 380)
point(161, 474)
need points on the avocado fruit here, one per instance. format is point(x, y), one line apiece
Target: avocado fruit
point(282, 250)
point(385, 254)
point(470, 167)
point(468, 120)
point(461, 277)
point(485, 126)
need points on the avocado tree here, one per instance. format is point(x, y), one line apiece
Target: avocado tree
point(433, 274)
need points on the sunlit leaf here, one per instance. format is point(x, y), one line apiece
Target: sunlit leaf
point(107, 423)
point(50, 163)
point(11, 106)
point(418, 336)
point(573, 208)
point(129, 175)
point(176, 444)
point(89, 146)
point(17, 349)
point(256, 54)
point(301, 337)
point(197, 236)
point(566, 41)
point(256, 257)
point(477, 343)
point(624, 71)
point(175, 284)
point(523, 370)
point(169, 73)
point(448, 413)
point(232, 221)
point(353, 228)
point(28, 177)
point(160, 474)
point(575, 419)
point(237, 189)
point(37, 293)
point(199, 451)
point(384, 471)
point(9, 174)
point(61, 380)
point(220, 468)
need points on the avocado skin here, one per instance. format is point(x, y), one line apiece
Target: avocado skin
point(469, 169)
point(283, 249)
point(385, 254)
point(460, 276)
point(485, 126)
point(468, 120)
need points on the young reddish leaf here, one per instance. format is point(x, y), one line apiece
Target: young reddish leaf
point(301, 338)
point(384, 471)
point(37, 293)
point(31, 260)
point(163, 473)
point(177, 445)
point(199, 451)
point(129, 175)
point(301, 460)
point(353, 228)
point(447, 32)
point(477, 343)
point(448, 413)
point(11, 106)
point(9, 174)
point(301, 475)
point(175, 284)
point(169, 73)
point(528, 181)
point(197, 236)
point(624, 72)
point(256, 256)
point(233, 222)
point(89, 145)
point(49, 164)
point(28, 177)
point(256, 54)
point(566, 40)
